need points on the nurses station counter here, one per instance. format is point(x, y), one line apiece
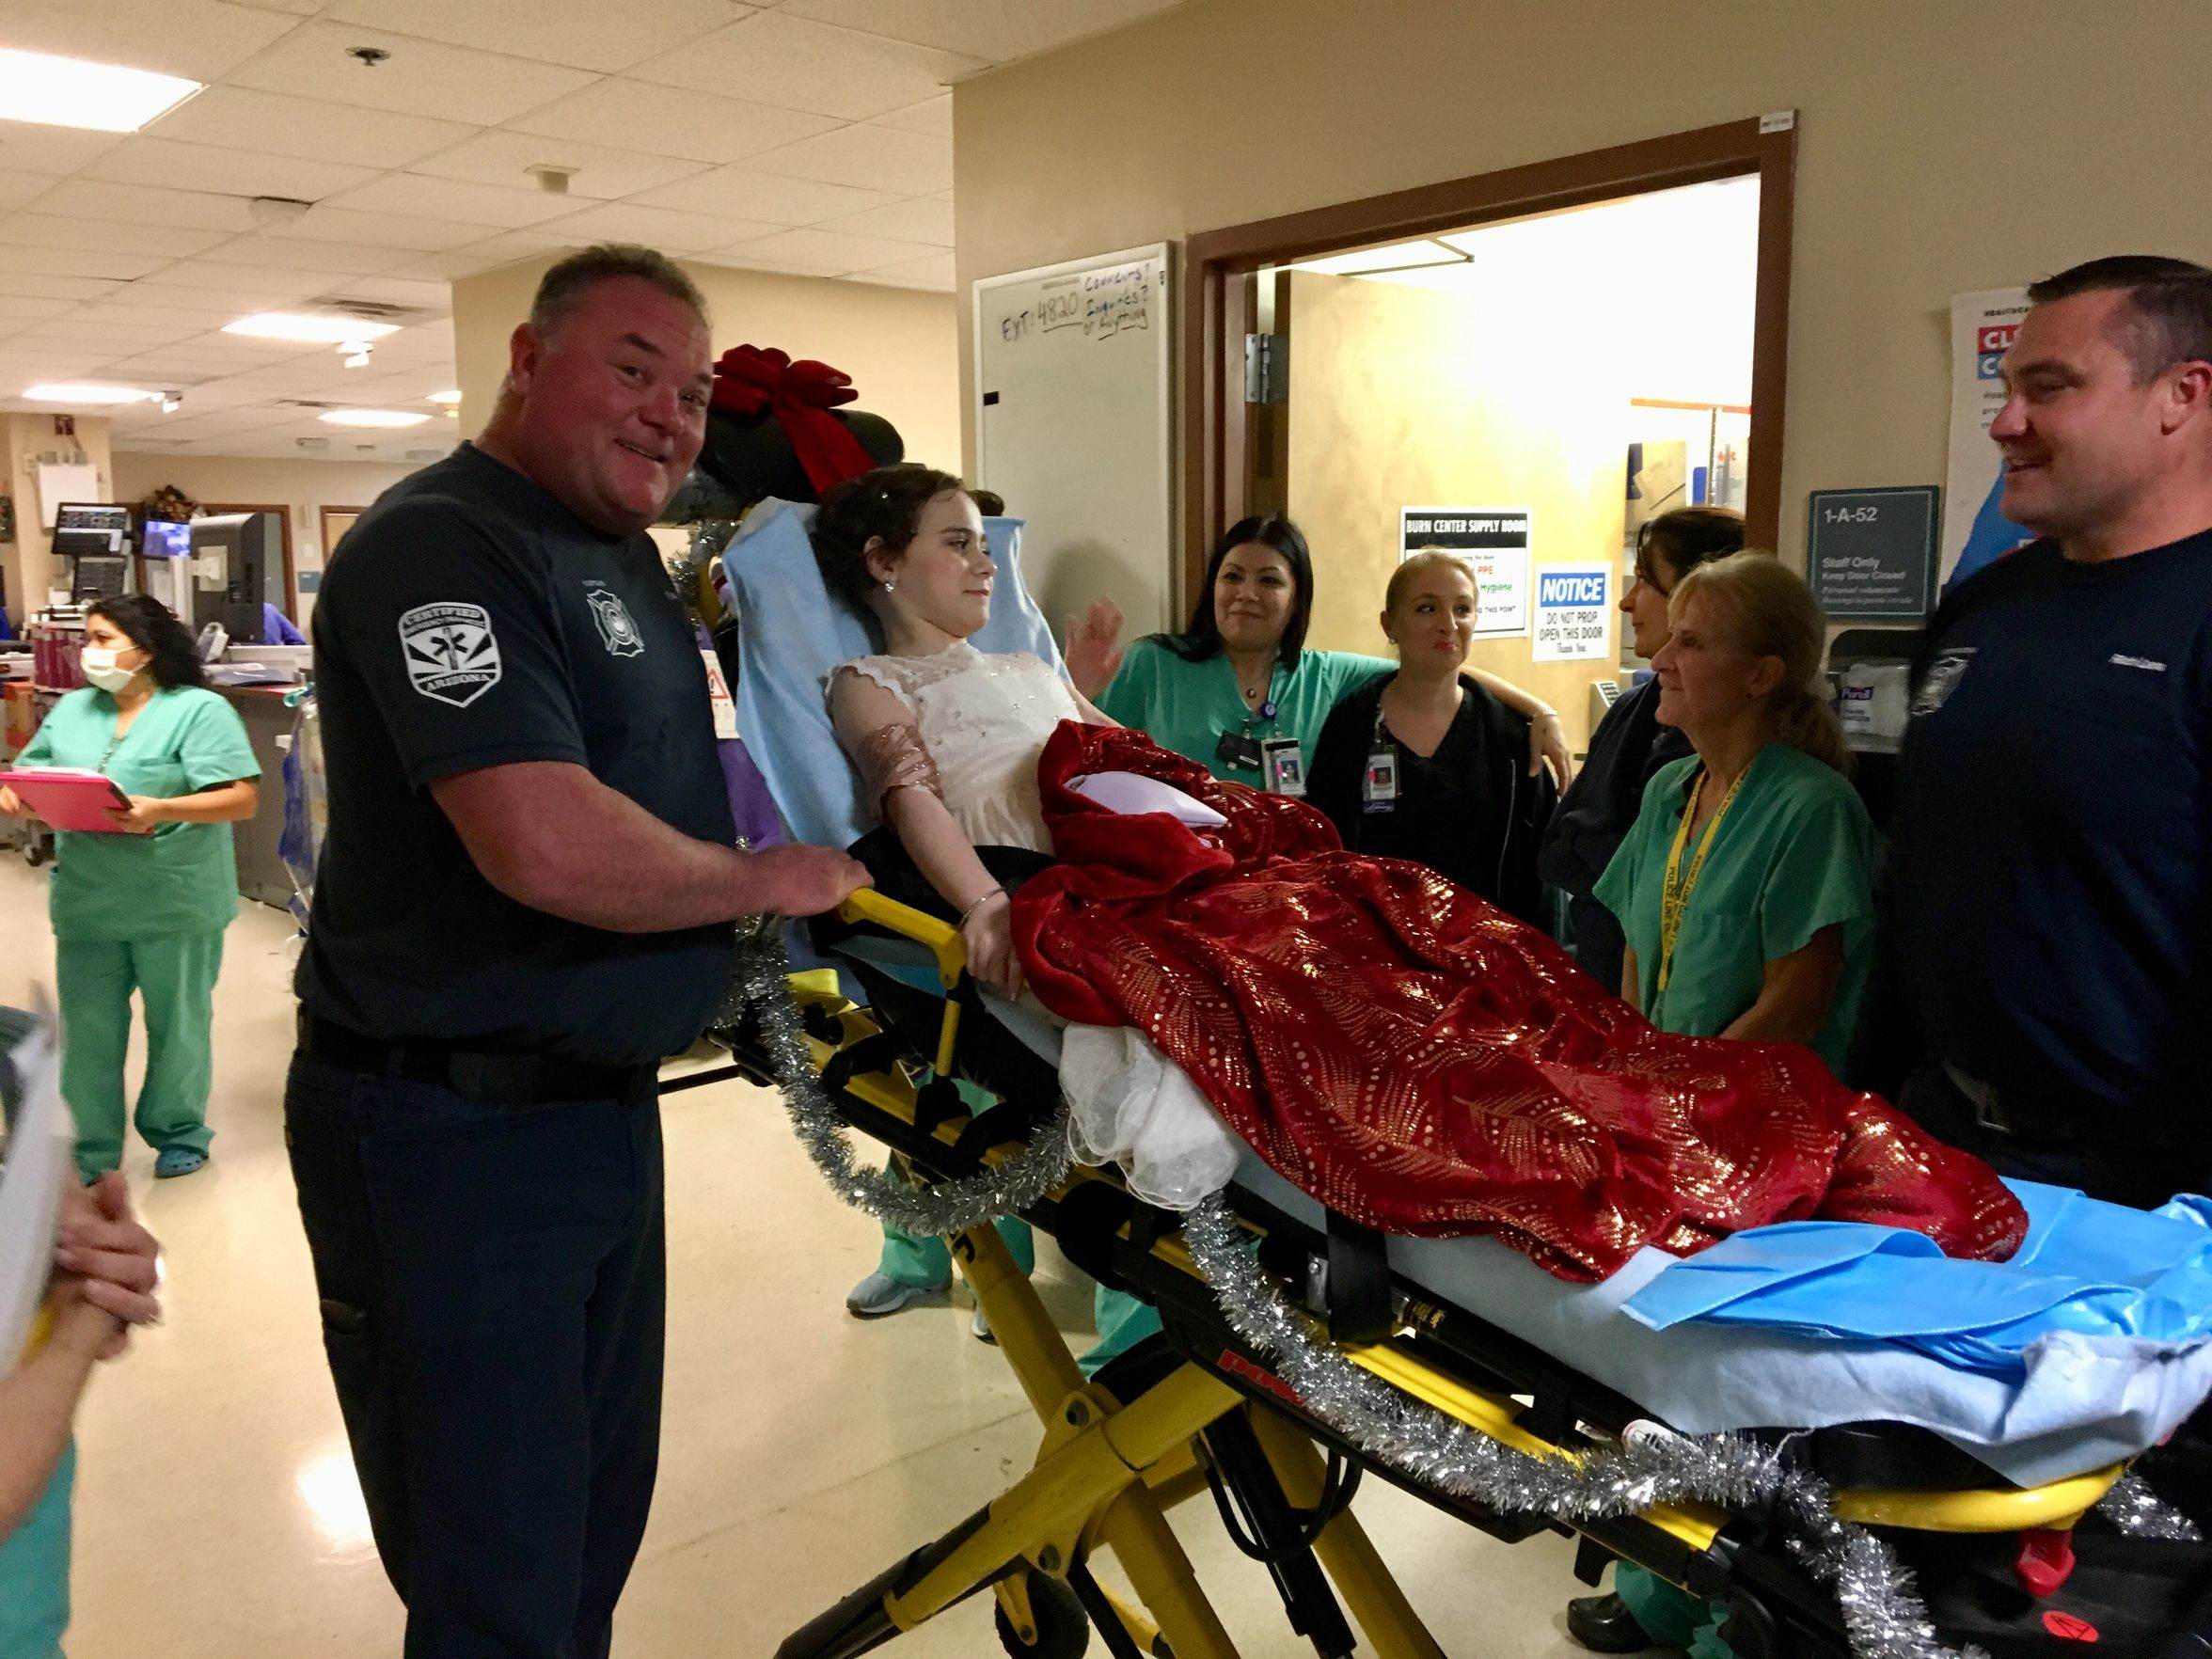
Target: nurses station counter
point(261, 873)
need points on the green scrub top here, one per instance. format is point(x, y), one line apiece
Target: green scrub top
point(181, 879)
point(1793, 856)
point(1187, 707)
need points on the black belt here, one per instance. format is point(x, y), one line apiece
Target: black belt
point(474, 1074)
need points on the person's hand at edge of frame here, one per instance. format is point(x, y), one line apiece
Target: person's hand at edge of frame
point(800, 881)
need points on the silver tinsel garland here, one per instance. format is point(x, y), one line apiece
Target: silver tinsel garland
point(2137, 1510)
point(763, 986)
point(1882, 1617)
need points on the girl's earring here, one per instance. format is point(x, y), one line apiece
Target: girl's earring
point(891, 587)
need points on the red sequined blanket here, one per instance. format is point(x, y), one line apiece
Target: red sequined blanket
point(1418, 1060)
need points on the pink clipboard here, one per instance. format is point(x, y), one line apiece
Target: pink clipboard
point(69, 799)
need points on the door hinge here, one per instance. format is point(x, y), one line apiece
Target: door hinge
point(1266, 369)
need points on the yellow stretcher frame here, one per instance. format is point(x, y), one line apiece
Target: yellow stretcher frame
point(1106, 1470)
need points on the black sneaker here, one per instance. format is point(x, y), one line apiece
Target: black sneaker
point(1604, 1624)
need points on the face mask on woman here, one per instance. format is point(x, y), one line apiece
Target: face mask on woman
point(101, 669)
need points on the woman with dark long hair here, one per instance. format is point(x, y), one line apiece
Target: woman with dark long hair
point(143, 908)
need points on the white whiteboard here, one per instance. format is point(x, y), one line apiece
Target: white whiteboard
point(1072, 426)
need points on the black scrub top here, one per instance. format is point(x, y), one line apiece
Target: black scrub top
point(472, 620)
point(1470, 811)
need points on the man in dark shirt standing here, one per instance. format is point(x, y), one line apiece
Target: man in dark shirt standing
point(2050, 902)
point(524, 903)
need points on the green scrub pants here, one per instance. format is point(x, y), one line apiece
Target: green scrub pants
point(1672, 1618)
point(175, 978)
point(927, 1264)
point(35, 1573)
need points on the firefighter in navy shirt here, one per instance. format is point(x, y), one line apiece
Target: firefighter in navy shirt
point(524, 903)
point(2049, 905)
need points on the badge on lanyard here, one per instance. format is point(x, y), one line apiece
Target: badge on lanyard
point(1239, 749)
point(1282, 767)
point(1379, 789)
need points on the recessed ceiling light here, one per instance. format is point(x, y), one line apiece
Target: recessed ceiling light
point(69, 92)
point(371, 417)
point(443, 397)
point(76, 392)
point(1405, 256)
point(308, 330)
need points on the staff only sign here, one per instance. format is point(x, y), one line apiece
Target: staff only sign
point(1570, 615)
point(1494, 543)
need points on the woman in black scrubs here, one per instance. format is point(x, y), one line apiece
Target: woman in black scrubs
point(1423, 763)
point(1629, 745)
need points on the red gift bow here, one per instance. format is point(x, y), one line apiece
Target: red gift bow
point(799, 395)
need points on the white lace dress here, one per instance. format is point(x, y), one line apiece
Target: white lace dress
point(985, 720)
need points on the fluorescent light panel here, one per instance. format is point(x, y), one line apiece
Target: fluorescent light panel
point(85, 392)
point(306, 330)
point(52, 92)
point(443, 397)
point(371, 417)
point(1405, 256)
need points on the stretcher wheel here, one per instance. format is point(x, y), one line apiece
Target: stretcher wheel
point(1062, 1631)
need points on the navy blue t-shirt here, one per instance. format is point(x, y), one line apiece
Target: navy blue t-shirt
point(2053, 860)
point(471, 620)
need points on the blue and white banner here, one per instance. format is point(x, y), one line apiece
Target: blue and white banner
point(1975, 532)
point(1573, 614)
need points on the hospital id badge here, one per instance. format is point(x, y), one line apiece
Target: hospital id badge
point(1379, 788)
point(1239, 749)
point(1282, 767)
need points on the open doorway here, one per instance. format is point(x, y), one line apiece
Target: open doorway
point(1528, 392)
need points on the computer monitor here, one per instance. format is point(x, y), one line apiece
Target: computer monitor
point(164, 539)
point(90, 528)
point(247, 556)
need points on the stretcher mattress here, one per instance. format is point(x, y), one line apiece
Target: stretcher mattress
point(2081, 1403)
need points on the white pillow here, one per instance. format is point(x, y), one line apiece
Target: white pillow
point(1132, 792)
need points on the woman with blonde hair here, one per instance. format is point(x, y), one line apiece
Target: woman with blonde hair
point(1745, 890)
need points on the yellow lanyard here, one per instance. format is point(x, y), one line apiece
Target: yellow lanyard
point(1674, 894)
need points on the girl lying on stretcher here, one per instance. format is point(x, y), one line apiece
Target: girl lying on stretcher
point(1405, 1051)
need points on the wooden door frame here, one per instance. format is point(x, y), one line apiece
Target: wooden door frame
point(283, 512)
point(1216, 317)
point(323, 524)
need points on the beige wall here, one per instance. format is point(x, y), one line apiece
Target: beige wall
point(897, 343)
point(1403, 397)
point(26, 440)
point(1944, 146)
point(305, 487)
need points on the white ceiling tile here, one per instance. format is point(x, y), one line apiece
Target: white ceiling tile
point(31, 149)
point(876, 158)
point(999, 30)
point(768, 198)
point(312, 129)
point(925, 219)
point(16, 309)
point(825, 250)
point(31, 285)
point(351, 258)
point(391, 230)
point(444, 267)
point(749, 263)
point(521, 245)
point(810, 66)
point(421, 77)
point(233, 279)
point(200, 40)
point(656, 227)
point(932, 117)
point(882, 280)
point(699, 126)
point(22, 189)
point(156, 294)
point(393, 290)
point(78, 262)
point(485, 207)
point(934, 269)
point(599, 172)
point(46, 230)
point(238, 172)
point(183, 319)
point(297, 7)
point(601, 37)
point(143, 204)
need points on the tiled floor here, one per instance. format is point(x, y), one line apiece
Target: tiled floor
point(803, 1451)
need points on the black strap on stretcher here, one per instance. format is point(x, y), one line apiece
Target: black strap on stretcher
point(1359, 1301)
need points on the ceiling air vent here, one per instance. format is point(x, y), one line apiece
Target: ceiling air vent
point(368, 310)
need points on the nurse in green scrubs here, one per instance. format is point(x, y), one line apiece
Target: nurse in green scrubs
point(1745, 890)
point(144, 908)
point(1237, 687)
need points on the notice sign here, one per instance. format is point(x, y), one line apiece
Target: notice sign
point(1975, 532)
point(1494, 543)
point(1871, 553)
point(1570, 615)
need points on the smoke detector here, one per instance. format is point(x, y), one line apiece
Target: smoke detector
point(277, 210)
point(552, 178)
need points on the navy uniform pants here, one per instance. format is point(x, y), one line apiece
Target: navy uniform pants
point(493, 1283)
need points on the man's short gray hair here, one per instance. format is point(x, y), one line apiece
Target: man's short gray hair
point(563, 287)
